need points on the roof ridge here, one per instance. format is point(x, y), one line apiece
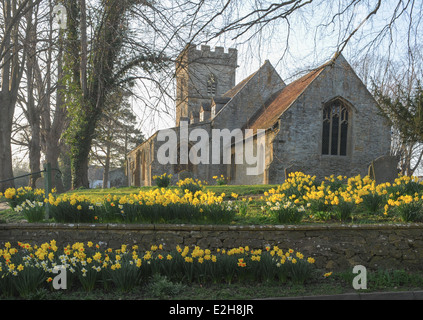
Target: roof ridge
point(262, 119)
point(244, 82)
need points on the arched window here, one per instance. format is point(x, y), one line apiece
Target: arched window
point(335, 128)
point(137, 171)
point(143, 166)
point(212, 85)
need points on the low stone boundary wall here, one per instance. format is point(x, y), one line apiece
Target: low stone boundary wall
point(335, 247)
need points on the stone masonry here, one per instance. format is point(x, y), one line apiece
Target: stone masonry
point(334, 247)
point(324, 123)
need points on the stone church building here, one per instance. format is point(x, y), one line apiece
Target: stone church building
point(324, 123)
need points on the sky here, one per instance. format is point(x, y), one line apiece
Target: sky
point(291, 51)
point(294, 51)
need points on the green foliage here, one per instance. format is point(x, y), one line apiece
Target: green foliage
point(410, 212)
point(32, 211)
point(66, 212)
point(373, 202)
point(344, 210)
point(29, 280)
point(162, 288)
point(394, 278)
point(405, 111)
point(286, 213)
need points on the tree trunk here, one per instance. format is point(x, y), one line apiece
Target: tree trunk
point(52, 130)
point(32, 111)
point(52, 157)
point(6, 166)
point(106, 167)
point(34, 154)
point(80, 151)
point(107, 44)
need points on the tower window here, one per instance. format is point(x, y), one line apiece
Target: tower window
point(335, 129)
point(211, 85)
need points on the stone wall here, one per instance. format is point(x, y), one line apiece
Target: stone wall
point(299, 141)
point(249, 99)
point(335, 247)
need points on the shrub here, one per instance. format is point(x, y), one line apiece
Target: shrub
point(410, 212)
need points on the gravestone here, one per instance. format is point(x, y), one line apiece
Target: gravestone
point(384, 169)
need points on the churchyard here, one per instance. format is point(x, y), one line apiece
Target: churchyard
point(293, 238)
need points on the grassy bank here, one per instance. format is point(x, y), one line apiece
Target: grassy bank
point(164, 289)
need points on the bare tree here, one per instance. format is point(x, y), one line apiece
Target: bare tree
point(13, 55)
point(133, 44)
point(41, 130)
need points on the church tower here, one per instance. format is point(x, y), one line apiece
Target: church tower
point(202, 74)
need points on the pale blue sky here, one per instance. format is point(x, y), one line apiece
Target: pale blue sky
point(309, 45)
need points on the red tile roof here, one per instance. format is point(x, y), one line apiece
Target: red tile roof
point(269, 114)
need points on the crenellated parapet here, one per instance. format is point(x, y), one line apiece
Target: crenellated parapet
point(205, 55)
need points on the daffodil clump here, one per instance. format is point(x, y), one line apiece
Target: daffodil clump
point(191, 185)
point(74, 208)
point(27, 268)
point(221, 180)
point(163, 181)
point(241, 206)
point(340, 197)
point(299, 198)
point(15, 197)
point(159, 205)
point(33, 211)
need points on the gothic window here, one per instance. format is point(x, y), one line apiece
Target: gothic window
point(143, 166)
point(211, 85)
point(335, 129)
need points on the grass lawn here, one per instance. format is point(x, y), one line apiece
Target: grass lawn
point(253, 216)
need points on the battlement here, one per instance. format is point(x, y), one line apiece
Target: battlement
point(220, 51)
point(205, 55)
point(201, 74)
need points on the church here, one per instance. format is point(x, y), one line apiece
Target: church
point(324, 123)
